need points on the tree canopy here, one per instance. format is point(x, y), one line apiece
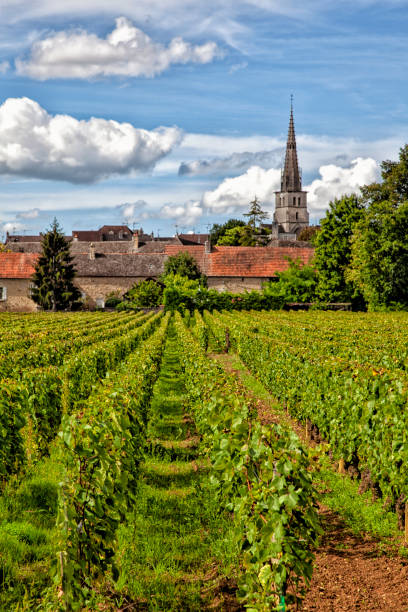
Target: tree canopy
point(53, 286)
point(218, 231)
point(333, 249)
point(183, 264)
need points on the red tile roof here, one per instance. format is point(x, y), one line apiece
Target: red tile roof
point(17, 265)
point(254, 262)
point(249, 262)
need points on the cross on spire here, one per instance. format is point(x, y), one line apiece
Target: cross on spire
point(290, 176)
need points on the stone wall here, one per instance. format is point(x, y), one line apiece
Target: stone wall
point(235, 284)
point(97, 288)
point(17, 299)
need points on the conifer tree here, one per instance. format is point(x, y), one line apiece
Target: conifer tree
point(255, 214)
point(54, 273)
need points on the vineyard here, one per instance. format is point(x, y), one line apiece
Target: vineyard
point(166, 462)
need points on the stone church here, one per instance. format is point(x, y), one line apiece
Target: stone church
point(291, 214)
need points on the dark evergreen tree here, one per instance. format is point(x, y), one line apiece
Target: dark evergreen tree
point(54, 273)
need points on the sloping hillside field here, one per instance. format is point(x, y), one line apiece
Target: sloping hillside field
point(225, 461)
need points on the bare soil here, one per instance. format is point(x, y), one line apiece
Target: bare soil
point(352, 572)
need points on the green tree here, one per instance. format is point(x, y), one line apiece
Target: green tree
point(218, 231)
point(333, 250)
point(146, 294)
point(379, 255)
point(54, 274)
point(296, 284)
point(183, 264)
point(394, 185)
point(255, 214)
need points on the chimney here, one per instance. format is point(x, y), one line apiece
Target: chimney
point(207, 246)
point(135, 246)
point(92, 251)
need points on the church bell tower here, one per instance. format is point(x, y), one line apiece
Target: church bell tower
point(291, 214)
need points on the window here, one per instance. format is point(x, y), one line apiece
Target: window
point(31, 286)
point(3, 294)
point(100, 302)
point(297, 215)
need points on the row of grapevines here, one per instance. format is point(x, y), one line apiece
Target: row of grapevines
point(31, 410)
point(375, 339)
point(53, 351)
point(359, 409)
point(103, 445)
point(261, 474)
point(48, 330)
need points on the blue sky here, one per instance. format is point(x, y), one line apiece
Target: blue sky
point(166, 113)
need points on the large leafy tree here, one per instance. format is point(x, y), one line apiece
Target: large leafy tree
point(53, 286)
point(183, 264)
point(379, 256)
point(379, 264)
point(218, 231)
point(333, 250)
point(394, 184)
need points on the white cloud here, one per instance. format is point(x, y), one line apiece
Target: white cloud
point(234, 194)
point(4, 66)
point(134, 212)
point(185, 214)
point(37, 145)
point(126, 51)
point(12, 227)
point(29, 214)
point(336, 181)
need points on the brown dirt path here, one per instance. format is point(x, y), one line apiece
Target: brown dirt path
point(352, 572)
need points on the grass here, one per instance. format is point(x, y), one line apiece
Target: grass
point(176, 546)
point(359, 511)
point(27, 535)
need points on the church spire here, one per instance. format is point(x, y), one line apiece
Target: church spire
point(290, 176)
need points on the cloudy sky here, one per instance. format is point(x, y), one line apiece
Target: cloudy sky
point(173, 114)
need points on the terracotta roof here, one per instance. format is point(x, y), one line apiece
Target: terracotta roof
point(255, 262)
point(250, 262)
point(17, 265)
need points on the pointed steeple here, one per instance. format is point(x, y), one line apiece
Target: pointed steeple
point(290, 176)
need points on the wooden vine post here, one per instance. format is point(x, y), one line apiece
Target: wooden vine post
point(341, 466)
point(227, 340)
point(406, 522)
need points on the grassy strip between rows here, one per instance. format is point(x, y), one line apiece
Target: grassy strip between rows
point(177, 547)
